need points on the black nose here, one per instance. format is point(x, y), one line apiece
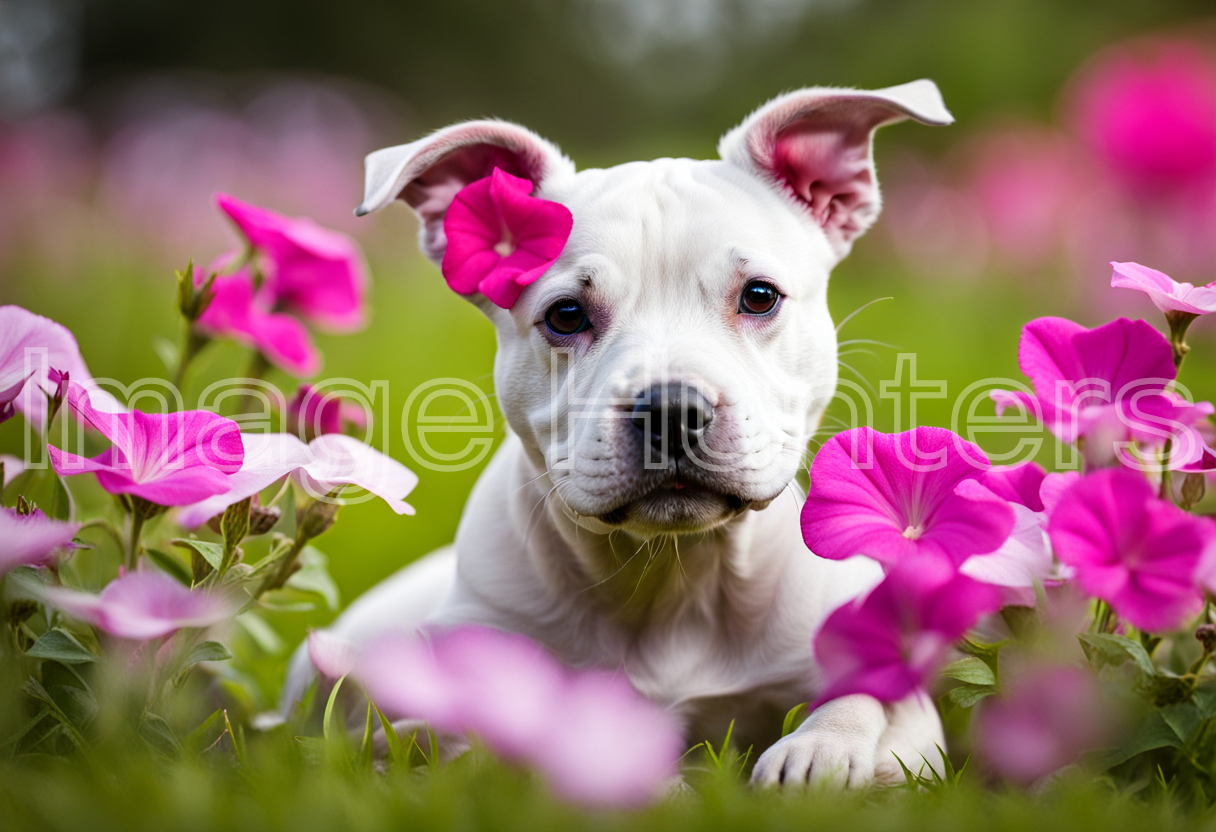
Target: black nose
point(673, 417)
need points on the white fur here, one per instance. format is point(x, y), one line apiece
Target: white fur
point(710, 605)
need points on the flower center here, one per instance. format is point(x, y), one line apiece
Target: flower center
point(506, 245)
point(914, 532)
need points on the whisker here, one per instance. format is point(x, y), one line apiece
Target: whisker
point(858, 310)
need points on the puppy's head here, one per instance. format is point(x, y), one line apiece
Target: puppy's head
point(667, 371)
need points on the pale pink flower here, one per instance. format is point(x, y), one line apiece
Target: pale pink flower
point(328, 462)
point(1167, 294)
point(31, 539)
point(141, 606)
point(515, 697)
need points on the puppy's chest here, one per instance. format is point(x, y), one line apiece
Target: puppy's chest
point(688, 667)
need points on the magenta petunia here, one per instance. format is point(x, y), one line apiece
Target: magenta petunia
point(246, 315)
point(328, 462)
point(1140, 554)
point(32, 539)
point(1107, 385)
point(1043, 721)
point(894, 496)
point(1167, 294)
point(30, 347)
point(890, 643)
point(500, 238)
point(312, 413)
point(141, 606)
point(525, 706)
point(169, 459)
point(310, 271)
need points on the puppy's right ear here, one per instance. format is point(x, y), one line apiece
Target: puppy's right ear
point(427, 174)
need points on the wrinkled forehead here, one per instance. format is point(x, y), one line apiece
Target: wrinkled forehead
point(646, 226)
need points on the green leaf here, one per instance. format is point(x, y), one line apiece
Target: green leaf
point(155, 731)
point(1153, 733)
point(396, 749)
point(966, 695)
point(367, 748)
point(329, 706)
point(1183, 718)
point(204, 735)
point(971, 670)
point(1110, 649)
point(80, 706)
point(313, 577)
point(234, 525)
point(171, 565)
point(989, 654)
point(61, 646)
point(208, 651)
point(793, 719)
point(213, 553)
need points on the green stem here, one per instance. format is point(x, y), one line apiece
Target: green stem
point(258, 365)
point(194, 343)
point(1166, 491)
point(137, 529)
point(1179, 321)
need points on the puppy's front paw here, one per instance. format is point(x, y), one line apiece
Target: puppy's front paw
point(824, 759)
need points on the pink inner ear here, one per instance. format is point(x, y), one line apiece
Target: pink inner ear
point(826, 165)
point(432, 192)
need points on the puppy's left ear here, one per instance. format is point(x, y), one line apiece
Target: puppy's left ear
point(815, 145)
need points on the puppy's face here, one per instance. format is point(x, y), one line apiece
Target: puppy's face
point(668, 369)
point(666, 372)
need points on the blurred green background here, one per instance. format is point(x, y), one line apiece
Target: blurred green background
point(123, 117)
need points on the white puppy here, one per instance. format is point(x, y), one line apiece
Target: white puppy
point(661, 382)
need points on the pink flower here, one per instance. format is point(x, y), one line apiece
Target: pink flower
point(890, 643)
point(500, 239)
point(30, 346)
point(1107, 385)
point(895, 496)
point(169, 459)
point(316, 273)
point(1042, 722)
point(312, 413)
point(524, 705)
point(31, 539)
point(1138, 553)
point(1151, 116)
point(326, 463)
point(240, 312)
point(141, 606)
point(330, 655)
point(1167, 294)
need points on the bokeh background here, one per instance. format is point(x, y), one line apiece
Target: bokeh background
point(1086, 133)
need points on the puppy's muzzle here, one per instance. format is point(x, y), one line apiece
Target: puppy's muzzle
point(673, 417)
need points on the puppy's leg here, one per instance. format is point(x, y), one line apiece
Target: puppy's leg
point(914, 733)
point(834, 747)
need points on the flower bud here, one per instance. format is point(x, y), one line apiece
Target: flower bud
point(1194, 485)
point(262, 519)
point(316, 518)
point(312, 413)
point(1206, 634)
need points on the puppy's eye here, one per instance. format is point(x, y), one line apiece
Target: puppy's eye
point(566, 317)
point(759, 298)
